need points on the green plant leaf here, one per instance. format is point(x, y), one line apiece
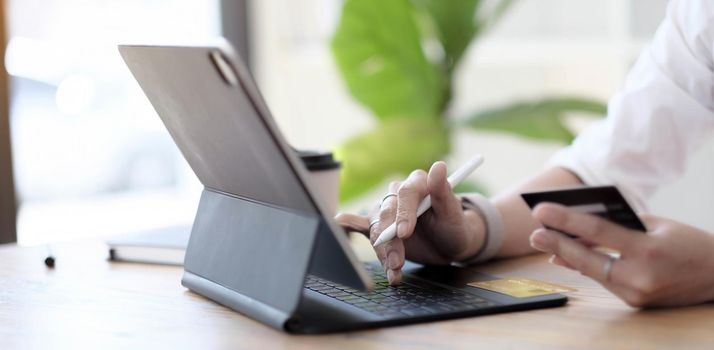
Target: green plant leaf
point(541, 120)
point(378, 50)
point(454, 26)
point(395, 147)
point(490, 19)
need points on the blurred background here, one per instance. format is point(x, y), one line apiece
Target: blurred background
point(91, 158)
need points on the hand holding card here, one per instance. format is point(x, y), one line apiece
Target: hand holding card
point(604, 201)
point(668, 267)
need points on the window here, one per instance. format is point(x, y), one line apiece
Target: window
point(540, 48)
point(91, 156)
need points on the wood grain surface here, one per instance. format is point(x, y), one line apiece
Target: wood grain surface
point(87, 302)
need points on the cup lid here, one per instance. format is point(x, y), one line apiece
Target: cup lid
point(315, 160)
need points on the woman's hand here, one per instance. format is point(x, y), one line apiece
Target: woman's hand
point(671, 265)
point(443, 234)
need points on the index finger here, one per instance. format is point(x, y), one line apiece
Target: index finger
point(579, 257)
point(590, 227)
point(393, 250)
point(409, 195)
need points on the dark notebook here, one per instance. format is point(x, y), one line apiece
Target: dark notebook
point(162, 246)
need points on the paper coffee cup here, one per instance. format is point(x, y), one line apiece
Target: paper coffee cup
point(324, 177)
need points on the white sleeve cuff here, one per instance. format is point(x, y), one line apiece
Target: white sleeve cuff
point(568, 159)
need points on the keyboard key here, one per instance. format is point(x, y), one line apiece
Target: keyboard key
point(389, 292)
point(360, 302)
point(406, 299)
point(350, 297)
point(415, 311)
point(438, 308)
point(378, 308)
point(454, 303)
point(390, 313)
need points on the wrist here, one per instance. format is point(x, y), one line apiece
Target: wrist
point(475, 228)
point(493, 231)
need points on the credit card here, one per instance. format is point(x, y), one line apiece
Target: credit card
point(604, 201)
point(521, 287)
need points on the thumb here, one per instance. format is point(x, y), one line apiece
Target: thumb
point(353, 223)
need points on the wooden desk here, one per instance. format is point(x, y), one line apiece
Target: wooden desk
point(87, 302)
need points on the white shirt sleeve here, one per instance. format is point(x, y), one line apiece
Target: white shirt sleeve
point(663, 114)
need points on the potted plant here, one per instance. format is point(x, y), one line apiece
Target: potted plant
point(398, 59)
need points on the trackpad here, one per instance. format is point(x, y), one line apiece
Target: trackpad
point(457, 277)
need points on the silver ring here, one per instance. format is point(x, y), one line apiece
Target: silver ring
point(608, 266)
point(385, 198)
point(374, 222)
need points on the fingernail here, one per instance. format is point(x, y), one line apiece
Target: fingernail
point(548, 213)
point(392, 260)
point(401, 229)
point(541, 240)
point(394, 276)
point(552, 259)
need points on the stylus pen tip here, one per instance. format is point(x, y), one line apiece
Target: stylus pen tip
point(378, 242)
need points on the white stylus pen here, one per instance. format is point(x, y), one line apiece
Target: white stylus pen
point(454, 179)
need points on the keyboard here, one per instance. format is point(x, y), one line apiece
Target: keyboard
point(408, 299)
